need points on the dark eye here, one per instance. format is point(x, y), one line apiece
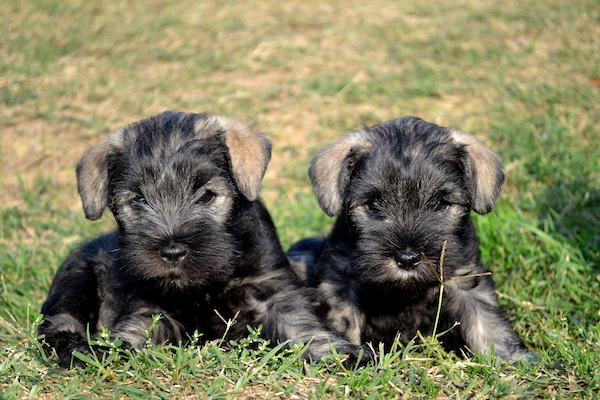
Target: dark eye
point(441, 205)
point(207, 197)
point(374, 208)
point(140, 200)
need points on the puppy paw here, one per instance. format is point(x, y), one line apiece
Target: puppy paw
point(66, 358)
point(527, 357)
point(356, 355)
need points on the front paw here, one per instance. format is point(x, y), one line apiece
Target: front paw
point(357, 355)
point(526, 357)
point(66, 358)
point(97, 350)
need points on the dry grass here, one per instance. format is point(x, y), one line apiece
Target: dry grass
point(303, 72)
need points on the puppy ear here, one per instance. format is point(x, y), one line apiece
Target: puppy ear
point(92, 175)
point(331, 169)
point(249, 154)
point(483, 169)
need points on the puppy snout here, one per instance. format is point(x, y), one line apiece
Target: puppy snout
point(173, 252)
point(407, 259)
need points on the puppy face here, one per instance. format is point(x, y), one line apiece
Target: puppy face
point(173, 215)
point(405, 188)
point(173, 183)
point(402, 207)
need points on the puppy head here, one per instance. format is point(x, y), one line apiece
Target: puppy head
point(174, 182)
point(404, 188)
point(332, 168)
point(248, 153)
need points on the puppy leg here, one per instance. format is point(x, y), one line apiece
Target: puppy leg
point(290, 314)
point(287, 321)
point(133, 325)
point(304, 259)
point(483, 323)
point(344, 315)
point(71, 307)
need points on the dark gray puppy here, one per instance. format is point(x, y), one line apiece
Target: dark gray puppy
point(402, 191)
point(193, 240)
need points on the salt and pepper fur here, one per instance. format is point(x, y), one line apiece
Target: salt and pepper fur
point(193, 245)
point(402, 191)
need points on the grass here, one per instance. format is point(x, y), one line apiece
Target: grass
point(523, 76)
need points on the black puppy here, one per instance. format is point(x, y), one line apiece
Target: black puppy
point(403, 192)
point(193, 240)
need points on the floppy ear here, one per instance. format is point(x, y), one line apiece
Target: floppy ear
point(92, 175)
point(249, 153)
point(331, 169)
point(483, 170)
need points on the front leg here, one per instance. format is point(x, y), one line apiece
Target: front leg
point(132, 327)
point(135, 326)
point(290, 314)
point(70, 311)
point(483, 323)
point(291, 318)
point(343, 315)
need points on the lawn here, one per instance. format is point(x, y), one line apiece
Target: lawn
point(522, 76)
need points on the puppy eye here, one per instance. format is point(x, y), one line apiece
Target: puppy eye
point(140, 200)
point(374, 208)
point(207, 197)
point(441, 205)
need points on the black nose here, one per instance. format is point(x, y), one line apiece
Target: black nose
point(407, 259)
point(173, 252)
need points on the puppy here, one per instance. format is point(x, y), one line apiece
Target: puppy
point(193, 245)
point(402, 193)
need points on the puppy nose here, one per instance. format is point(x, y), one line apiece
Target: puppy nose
point(407, 259)
point(173, 252)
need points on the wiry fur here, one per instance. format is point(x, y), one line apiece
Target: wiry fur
point(401, 190)
point(192, 240)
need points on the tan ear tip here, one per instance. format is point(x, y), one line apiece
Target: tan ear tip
point(249, 154)
point(483, 209)
point(332, 210)
point(251, 193)
point(92, 215)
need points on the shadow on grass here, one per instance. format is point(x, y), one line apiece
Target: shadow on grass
point(574, 207)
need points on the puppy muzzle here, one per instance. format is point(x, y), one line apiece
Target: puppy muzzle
point(407, 259)
point(173, 253)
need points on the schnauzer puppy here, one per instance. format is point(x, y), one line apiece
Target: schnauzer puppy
point(402, 193)
point(193, 245)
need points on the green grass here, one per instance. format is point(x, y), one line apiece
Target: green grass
point(523, 76)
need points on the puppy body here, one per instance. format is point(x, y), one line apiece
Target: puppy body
point(403, 192)
point(194, 244)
